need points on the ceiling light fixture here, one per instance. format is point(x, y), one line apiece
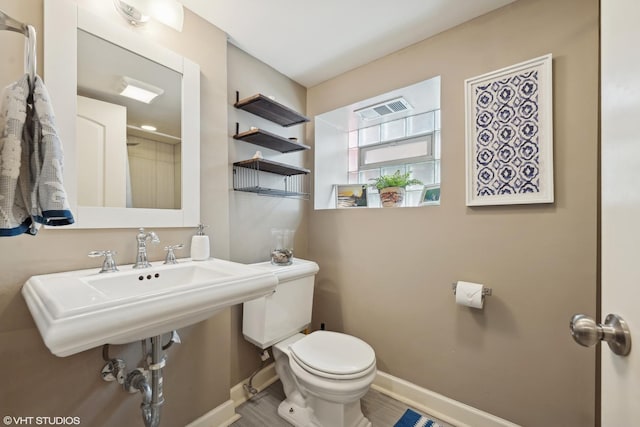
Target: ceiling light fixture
point(129, 12)
point(140, 91)
point(138, 12)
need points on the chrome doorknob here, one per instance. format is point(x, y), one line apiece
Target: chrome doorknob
point(585, 331)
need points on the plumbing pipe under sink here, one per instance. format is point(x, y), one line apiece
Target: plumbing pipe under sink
point(152, 396)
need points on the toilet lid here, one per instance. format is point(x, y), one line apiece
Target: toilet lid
point(333, 353)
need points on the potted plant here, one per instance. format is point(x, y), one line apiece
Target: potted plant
point(392, 187)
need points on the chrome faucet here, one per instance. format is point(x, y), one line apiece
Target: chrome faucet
point(141, 260)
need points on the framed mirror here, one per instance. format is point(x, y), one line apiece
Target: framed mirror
point(117, 173)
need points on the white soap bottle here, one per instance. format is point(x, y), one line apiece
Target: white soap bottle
point(200, 250)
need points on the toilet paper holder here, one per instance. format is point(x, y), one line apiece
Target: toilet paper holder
point(485, 291)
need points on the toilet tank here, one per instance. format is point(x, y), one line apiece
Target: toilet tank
point(272, 318)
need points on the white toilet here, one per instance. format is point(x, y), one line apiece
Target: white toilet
point(324, 374)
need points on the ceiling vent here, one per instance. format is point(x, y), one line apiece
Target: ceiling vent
point(382, 109)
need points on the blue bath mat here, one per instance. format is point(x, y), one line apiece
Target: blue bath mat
point(414, 419)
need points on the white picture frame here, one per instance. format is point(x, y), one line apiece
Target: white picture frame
point(430, 195)
point(509, 135)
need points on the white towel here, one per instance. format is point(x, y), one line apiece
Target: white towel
point(31, 159)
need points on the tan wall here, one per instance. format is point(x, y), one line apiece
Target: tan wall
point(37, 383)
point(385, 274)
point(252, 216)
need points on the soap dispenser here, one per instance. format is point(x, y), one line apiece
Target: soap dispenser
point(200, 245)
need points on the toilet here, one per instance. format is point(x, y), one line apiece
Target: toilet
point(324, 374)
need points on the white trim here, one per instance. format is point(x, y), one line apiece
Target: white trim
point(437, 405)
point(220, 416)
point(427, 401)
point(225, 414)
point(261, 380)
point(128, 39)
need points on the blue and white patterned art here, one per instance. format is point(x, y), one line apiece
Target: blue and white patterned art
point(508, 147)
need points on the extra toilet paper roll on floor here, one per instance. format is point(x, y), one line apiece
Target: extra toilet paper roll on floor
point(469, 294)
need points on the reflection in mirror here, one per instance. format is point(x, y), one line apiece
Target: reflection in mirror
point(130, 146)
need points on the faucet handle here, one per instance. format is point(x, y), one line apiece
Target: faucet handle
point(153, 237)
point(109, 264)
point(171, 256)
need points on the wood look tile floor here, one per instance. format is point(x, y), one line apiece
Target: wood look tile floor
point(262, 409)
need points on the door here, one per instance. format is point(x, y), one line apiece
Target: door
point(102, 153)
point(620, 208)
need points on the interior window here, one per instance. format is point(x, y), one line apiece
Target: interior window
point(357, 144)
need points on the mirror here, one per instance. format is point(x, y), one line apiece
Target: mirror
point(141, 170)
point(118, 174)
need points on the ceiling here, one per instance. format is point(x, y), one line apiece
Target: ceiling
point(313, 41)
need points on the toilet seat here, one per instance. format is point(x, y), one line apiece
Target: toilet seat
point(333, 355)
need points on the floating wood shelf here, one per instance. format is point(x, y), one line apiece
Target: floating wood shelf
point(269, 109)
point(270, 140)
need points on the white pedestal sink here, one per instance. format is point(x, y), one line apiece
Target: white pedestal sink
point(79, 310)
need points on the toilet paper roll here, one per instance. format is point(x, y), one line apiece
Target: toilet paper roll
point(469, 294)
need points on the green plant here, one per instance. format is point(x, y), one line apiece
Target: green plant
point(396, 180)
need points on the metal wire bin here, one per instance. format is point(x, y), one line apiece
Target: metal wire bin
point(270, 178)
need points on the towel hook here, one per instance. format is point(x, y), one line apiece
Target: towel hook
point(30, 53)
point(10, 24)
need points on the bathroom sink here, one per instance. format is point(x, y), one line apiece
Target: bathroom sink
point(79, 310)
point(140, 283)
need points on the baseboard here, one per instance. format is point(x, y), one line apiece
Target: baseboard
point(263, 379)
point(437, 405)
point(220, 416)
point(225, 414)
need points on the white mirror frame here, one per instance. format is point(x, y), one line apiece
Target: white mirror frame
point(62, 20)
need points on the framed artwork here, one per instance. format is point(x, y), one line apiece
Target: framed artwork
point(509, 135)
point(430, 195)
point(351, 196)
